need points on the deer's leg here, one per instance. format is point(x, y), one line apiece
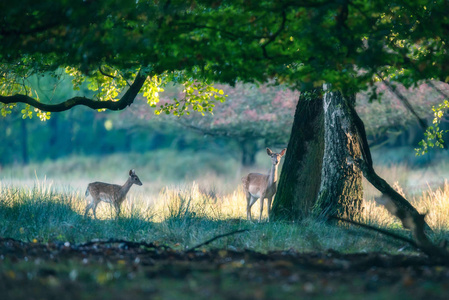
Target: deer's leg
point(269, 199)
point(253, 200)
point(262, 199)
point(88, 207)
point(117, 209)
point(94, 208)
point(248, 206)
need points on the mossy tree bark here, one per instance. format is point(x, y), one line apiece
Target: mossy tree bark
point(341, 191)
point(300, 178)
point(323, 164)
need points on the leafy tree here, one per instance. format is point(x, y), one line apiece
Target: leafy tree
point(139, 46)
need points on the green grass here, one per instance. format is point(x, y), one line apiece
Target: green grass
point(189, 198)
point(179, 218)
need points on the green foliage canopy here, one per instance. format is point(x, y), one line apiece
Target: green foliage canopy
point(138, 46)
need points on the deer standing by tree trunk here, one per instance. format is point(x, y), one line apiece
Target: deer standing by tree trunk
point(256, 185)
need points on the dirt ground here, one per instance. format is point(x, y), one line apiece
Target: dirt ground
point(126, 270)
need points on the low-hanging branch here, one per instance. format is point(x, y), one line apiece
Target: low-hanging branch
point(440, 91)
point(422, 122)
point(394, 202)
point(421, 241)
point(126, 100)
point(377, 229)
point(366, 166)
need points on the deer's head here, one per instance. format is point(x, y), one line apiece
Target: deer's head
point(134, 178)
point(276, 157)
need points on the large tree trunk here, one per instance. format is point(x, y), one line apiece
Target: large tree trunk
point(317, 175)
point(300, 178)
point(326, 156)
point(341, 191)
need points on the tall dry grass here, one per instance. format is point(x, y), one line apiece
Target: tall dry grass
point(425, 188)
point(189, 211)
point(191, 200)
point(204, 201)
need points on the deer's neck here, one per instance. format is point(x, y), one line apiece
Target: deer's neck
point(125, 188)
point(273, 175)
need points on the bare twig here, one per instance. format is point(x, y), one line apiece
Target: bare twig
point(216, 238)
point(422, 122)
point(430, 83)
point(125, 242)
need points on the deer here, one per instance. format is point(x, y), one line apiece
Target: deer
point(256, 185)
point(110, 193)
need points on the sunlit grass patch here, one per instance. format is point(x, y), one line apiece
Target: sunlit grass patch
point(436, 204)
point(183, 216)
point(38, 212)
point(195, 201)
point(433, 202)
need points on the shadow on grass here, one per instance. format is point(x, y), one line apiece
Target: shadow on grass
point(50, 221)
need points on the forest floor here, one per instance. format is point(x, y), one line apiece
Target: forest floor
point(115, 269)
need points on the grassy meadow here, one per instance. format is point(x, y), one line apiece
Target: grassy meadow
point(187, 199)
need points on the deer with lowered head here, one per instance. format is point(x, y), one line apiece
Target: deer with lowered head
point(110, 193)
point(262, 186)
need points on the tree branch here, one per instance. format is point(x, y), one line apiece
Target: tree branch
point(366, 165)
point(125, 242)
point(105, 74)
point(437, 89)
point(274, 36)
point(422, 122)
point(216, 238)
point(126, 100)
point(380, 230)
point(421, 242)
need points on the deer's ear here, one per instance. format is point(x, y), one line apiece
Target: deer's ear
point(131, 172)
point(269, 152)
point(283, 151)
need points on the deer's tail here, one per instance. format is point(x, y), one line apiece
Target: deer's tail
point(245, 183)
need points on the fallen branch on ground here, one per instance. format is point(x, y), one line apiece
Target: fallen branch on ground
point(216, 238)
point(380, 230)
point(124, 242)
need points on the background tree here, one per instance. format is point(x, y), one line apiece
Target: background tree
point(252, 117)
